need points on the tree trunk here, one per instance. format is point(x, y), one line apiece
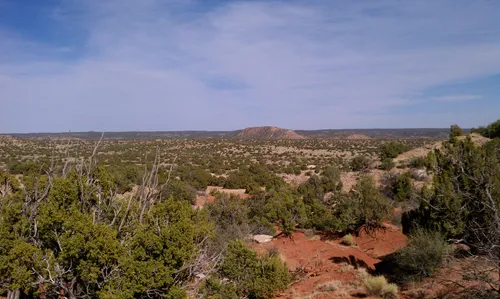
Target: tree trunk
point(15, 294)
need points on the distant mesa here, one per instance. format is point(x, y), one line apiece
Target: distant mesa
point(268, 133)
point(357, 137)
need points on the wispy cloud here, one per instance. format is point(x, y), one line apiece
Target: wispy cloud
point(187, 65)
point(457, 98)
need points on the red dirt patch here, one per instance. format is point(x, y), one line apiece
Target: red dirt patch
point(202, 200)
point(382, 242)
point(322, 261)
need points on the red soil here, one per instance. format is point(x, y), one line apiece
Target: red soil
point(382, 242)
point(320, 260)
point(201, 200)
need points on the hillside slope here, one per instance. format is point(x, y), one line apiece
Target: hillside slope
point(268, 133)
point(423, 151)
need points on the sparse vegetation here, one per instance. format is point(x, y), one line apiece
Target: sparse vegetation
point(401, 187)
point(378, 286)
point(330, 286)
point(425, 252)
point(348, 240)
point(245, 275)
point(387, 164)
point(136, 207)
point(418, 162)
point(455, 131)
point(490, 131)
point(360, 163)
point(391, 150)
point(463, 204)
point(365, 207)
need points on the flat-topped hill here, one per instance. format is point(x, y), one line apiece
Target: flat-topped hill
point(268, 133)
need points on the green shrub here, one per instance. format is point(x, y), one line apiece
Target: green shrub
point(392, 149)
point(247, 275)
point(466, 180)
point(364, 207)
point(490, 131)
point(230, 216)
point(387, 164)
point(425, 252)
point(197, 177)
point(254, 177)
point(28, 167)
point(360, 163)
point(180, 191)
point(378, 286)
point(418, 162)
point(287, 209)
point(455, 131)
point(402, 188)
point(217, 289)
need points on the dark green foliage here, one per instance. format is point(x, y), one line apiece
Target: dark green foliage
point(317, 186)
point(360, 163)
point(127, 176)
point(247, 275)
point(230, 215)
point(401, 187)
point(287, 209)
point(392, 149)
point(195, 176)
point(389, 151)
point(18, 167)
point(418, 162)
point(216, 288)
point(313, 192)
point(387, 164)
point(455, 131)
point(88, 245)
point(180, 191)
point(236, 218)
point(490, 131)
point(365, 207)
point(424, 254)
point(252, 178)
point(8, 183)
point(240, 180)
point(465, 199)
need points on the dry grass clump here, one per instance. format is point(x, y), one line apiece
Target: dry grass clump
point(330, 286)
point(362, 273)
point(345, 267)
point(348, 240)
point(378, 286)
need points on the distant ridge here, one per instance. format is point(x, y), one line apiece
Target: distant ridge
point(432, 133)
point(268, 133)
point(357, 137)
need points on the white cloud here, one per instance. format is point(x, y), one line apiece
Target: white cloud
point(152, 64)
point(457, 98)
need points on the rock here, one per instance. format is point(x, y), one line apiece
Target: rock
point(461, 249)
point(419, 175)
point(201, 276)
point(262, 238)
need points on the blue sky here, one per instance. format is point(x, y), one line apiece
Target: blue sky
point(123, 65)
